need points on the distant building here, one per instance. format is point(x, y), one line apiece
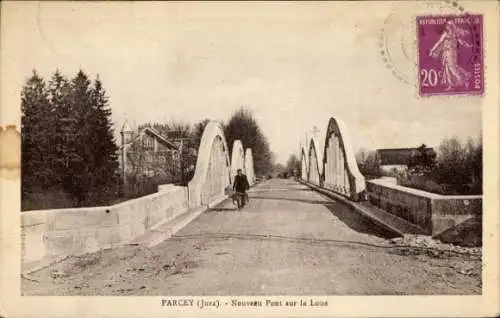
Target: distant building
point(146, 153)
point(396, 159)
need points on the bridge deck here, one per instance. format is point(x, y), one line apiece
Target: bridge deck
point(288, 240)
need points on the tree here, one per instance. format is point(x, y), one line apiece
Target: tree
point(280, 170)
point(475, 165)
point(293, 166)
point(60, 134)
point(105, 152)
point(197, 133)
point(78, 122)
point(67, 137)
point(243, 126)
point(361, 156)
point(36, 123)
point(368, 162)
point(459, 166)
point(422, 160)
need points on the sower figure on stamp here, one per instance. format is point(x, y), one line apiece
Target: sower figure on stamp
point(240, 186)
point(447, 49)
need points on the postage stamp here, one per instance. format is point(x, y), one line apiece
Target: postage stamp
point(450, 52)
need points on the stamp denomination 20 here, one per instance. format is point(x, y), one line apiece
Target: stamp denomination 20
point(450, 51)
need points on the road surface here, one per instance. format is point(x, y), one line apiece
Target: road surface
point(288, 240)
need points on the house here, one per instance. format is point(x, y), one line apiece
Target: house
point(146, 153)
point(397, 159)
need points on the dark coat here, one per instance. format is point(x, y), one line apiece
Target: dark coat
point(241, 183)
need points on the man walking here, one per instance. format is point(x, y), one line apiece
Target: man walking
point(240, 186)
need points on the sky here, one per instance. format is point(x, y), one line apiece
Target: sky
point(294, 65)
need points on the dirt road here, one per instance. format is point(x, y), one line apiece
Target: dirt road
point(288, 240)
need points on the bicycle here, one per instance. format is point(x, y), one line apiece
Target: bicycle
point(240, 200)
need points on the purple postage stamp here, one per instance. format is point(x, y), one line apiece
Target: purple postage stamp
point(450, 53)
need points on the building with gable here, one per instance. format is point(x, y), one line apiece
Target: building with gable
point(146, 153)
point(397, 159)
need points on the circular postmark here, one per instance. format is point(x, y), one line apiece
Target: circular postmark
point(398, 37)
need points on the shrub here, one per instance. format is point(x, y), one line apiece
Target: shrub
point(424, 185)
point(40, 199)
point(457, 170)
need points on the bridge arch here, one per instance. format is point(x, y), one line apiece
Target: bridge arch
point(314, 172)
point(237, 158)
point(249, 166)
point(212, 174)
point(304, 170)
point(340, 170)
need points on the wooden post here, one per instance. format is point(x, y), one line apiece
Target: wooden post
point(181, 159)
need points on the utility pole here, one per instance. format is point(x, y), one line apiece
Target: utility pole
point(315, 131)
point(179, 139)
point(181, 158)
point(126, 138)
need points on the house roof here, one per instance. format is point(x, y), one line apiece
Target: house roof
point(396, 156)
point(154, 133)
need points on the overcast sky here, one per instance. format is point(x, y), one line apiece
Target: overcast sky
point(294, 65)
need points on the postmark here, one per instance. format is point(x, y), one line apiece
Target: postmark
point(450, 54)
point(398, 36)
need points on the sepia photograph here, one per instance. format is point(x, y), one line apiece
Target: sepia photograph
point(251, 156)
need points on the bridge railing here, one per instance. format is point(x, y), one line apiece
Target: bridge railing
point(48, 235)
point(337, 171)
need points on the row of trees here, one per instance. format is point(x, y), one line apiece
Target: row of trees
point(459, 166)
point(293, 166)
point(242, 125)
point(455, 169)
point(68, 152)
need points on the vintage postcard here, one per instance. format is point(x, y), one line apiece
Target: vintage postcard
point(319, 159)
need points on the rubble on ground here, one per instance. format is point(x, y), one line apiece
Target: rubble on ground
point(423, 241)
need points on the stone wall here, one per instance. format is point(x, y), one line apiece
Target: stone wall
point(433, 213)
point(52, 234)
point(48, 235)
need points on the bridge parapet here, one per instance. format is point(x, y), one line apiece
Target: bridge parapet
point(434, 213)
point(48, 235)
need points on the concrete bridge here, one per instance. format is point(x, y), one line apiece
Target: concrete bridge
point(329, 166)
point(324, 233)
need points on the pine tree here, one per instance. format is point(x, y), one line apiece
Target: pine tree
point(77, 126)
point(62, 147)
point(67, 138)
point(35, 131)
point(105, 151)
